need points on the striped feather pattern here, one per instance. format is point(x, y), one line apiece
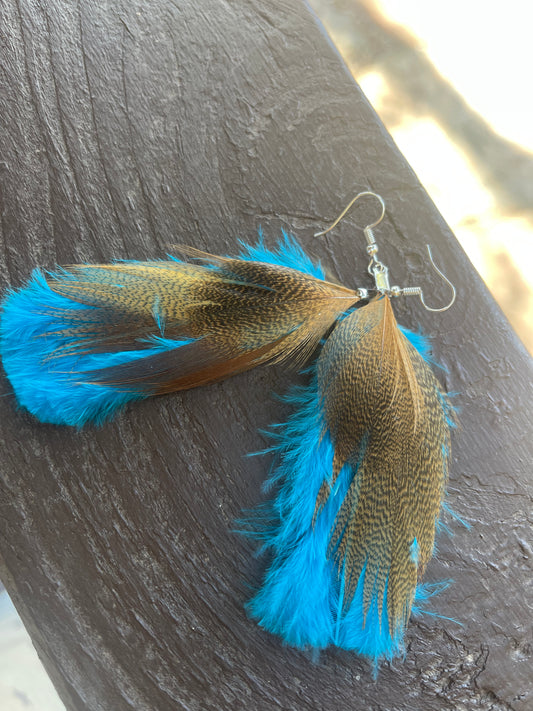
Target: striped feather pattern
point(362, 469)
point(79, 343)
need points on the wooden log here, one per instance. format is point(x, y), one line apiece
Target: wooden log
point(126, 127)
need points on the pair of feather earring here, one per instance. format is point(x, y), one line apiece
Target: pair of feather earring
point(361, 464)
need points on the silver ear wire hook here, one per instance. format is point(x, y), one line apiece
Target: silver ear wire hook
point(378, 270)
point(417, 291)
point(368, 227)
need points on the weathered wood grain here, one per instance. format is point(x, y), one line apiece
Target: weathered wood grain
point(127, 126)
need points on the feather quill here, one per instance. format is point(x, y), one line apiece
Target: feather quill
point(362, 469)
point(79, 343)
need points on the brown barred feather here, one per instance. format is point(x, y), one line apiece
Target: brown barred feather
point(388, 420)
point(243, 313)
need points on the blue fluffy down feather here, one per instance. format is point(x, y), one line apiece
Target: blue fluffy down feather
point(48, 379)
point(300, 598)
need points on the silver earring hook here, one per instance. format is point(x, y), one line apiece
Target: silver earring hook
point(368, 227)
point(416, 290)
point(378, 270)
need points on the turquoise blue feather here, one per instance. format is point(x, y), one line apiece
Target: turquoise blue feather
point(79, 343)
point(309, 596)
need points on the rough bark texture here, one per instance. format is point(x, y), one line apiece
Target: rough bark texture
point(127, 126)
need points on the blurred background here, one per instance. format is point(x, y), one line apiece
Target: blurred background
point(451, 81)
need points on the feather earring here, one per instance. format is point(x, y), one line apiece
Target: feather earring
point(363, 461)
point(361, 471)
point(80, 343)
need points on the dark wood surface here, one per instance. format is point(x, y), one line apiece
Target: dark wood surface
point(128, 126)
